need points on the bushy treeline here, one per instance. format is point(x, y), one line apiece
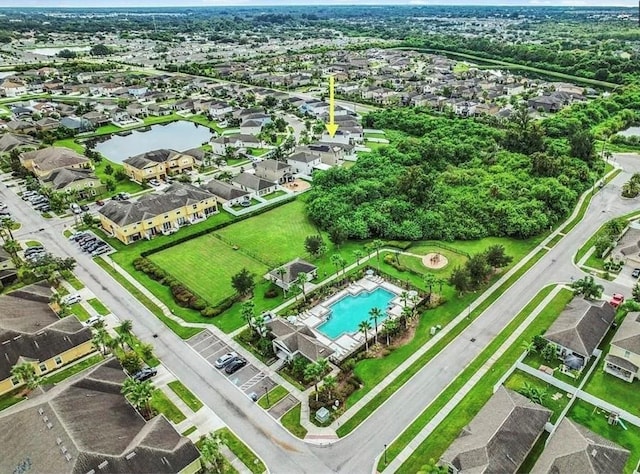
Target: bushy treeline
point(448, 178)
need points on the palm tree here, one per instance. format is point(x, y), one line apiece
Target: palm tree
point(404, 297)
point(139, 394)
point(300, 281)
point(529, 346)
point(281, 272)
point(26, 373)
point(335, 260)
point(587, 287)
point(13, 247)
point(389, 326)
point(377, 245)
point(365, 327)
point(329, 383)
point(375, 313)
point(440, 282)
point(210, 452)
point(247, 311)
point(100, 340)
point(357, 254)
point(312, 372)
point(8, 223)
point(429, 280)
point(405, 316)
point(126, 331)
point(146, 351)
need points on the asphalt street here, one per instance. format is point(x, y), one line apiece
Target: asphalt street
point(356, 453)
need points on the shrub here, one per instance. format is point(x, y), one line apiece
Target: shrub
point(131, 362)
point(271, 293)
point(210, 312)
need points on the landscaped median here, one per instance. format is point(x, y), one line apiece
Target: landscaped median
point(437, 442)
point(388, 391)
point(244, 453)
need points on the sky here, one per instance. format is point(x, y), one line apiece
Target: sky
point(185, 3)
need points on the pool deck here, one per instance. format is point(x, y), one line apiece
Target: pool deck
point(347, 343)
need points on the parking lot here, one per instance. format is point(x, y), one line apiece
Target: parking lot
point(248, 379)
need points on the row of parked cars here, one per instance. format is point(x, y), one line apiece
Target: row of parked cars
point(230, 362)
point(39, 202)
point(35, 253)
point(90, 243)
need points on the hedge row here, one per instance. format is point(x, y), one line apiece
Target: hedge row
point(221, 225)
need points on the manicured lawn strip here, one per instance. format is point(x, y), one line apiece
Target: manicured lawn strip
point(554, 241)
point(291, 421)
point(181, 331)
point(517, 381)
point(276, 394)
point(79, 311)
point(583, 413)
point(582, 251)
point(32, 243)
point(185, 395)
point(73, 281)
point(60, 375)
point(275, 195)
point(189, 430)
point(98, 306)
point(440, 439)
point(241, 450)
point(9, 399)
point(459, 305)
point(161, 403)
point(292, 381)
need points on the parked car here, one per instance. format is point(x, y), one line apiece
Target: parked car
point(100, 250)
point(224, 360)
point(635, 273)
point(31, 250)
point(616, 300)
point(72, 299)
point(84, 207)
point(93, 320)
point(145, 374)
point(100, 202)
point(235, 365)
point(76, 235)
point(154, 182)
point(75, 208)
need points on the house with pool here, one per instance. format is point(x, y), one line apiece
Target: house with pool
point(330, 329)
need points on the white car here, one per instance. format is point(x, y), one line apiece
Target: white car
point(72, 299)
point(93, 320)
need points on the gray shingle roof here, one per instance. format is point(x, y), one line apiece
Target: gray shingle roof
point(224, 190)
point(151, 158)
point(9, 141)
point(30, 329)
point(293, 269)
point(273, 165)
point(303, 157)
point(627, 336)
point(150, 205)
point(299, 338)
point(620, 362)
point(52, 158)
point(251, 181)
point(500, 436)
point(63, 177)
point(95, 425)
point(575, 449)
point(581, 326)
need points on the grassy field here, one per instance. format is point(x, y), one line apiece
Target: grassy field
point(98, 306)
point(596, 420)
point(438, 441)
point(161, 403)
point(206, 265)
point(276, 394)
point(185, 395)
point(291, 421)
point(274, 195)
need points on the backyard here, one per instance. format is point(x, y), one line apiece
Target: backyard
point(531, 386)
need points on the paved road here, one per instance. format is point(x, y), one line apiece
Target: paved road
point(355, 453)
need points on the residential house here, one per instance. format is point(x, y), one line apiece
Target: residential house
point(8, 271)
point(290, 340)
point(227, 193)
point(155, 213)
point(30, 331)
point(286, 275)
point(137, 91)
point(86, 425)
point(46, 124)
point(274, 170)
point(331, 154)
point(157, 164)
point(97, 119)
point(219, 109)
point(499, 438)
point(120, 115)
point(159, 109)
point(304, 162)
point(623, 359)
point(68, 179)
point(47, 160)
point(546, 103)
point(251, 127)
point(10, 141)
point(573, 448)
point(21, 126)
point(136, 109)
point(77, 124)
point(219, 145)
point(254, 184)
point(12, 87)
point(579, 329)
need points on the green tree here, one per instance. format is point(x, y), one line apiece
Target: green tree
point(146, 351)
point(336, 261)
point(364, 327)
point(314, 372)
point(357, 254)
point(26, 373)
point(328, 384)
point(429, 281)
point(314, 245)
point(389, 327)
point(635, 293)
point(247, 309)
point(587, 287)
point(243, 282)
point(460, 279)
point(139, 395)
point(210, 448)
point(300, 282)
point(126, 332)
point(375, 314)
point(100, 50)
point(549, 352)
point(100, 340)
point(131, 362)
point(496, 256)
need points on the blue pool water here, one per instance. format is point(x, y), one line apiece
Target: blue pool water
point(349, 311)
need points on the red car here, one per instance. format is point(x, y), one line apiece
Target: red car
point(616, 300)
point(99, 202)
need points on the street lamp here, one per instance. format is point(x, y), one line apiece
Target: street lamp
point(266, 392)
point(385, 454)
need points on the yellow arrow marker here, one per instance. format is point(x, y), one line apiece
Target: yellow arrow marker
point(332, 126)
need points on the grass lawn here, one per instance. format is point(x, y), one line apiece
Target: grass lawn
point(374, 135)
point(62, 374)
point(206, 265)
point(374, 145)
point(9, 399)
point(32, 243)
point(554, 241)
point(291, 421)
point(136, 345)
point(594, 260)
point(276, 394)
point(583, 413)
point(181, 331)
point(519, 379)
point(98, 306)
point(438, 441)
point(185, 395)
point(189, 430)
point(238, 207)
point(241, 450)
point(79, 311)
point(72, 280)
point(348, 164)
point(274, 194)
point(162, 404)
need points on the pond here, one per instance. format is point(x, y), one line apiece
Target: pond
point(630, 132)
point(54, 51)
point(180, 136)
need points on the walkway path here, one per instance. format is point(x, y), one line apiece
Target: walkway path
point(457, 398)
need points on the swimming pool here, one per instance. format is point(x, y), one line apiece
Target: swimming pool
point(349, 311)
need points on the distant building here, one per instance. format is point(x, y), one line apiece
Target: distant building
point(47, 160)
point(158, 164)
point(623, 359)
